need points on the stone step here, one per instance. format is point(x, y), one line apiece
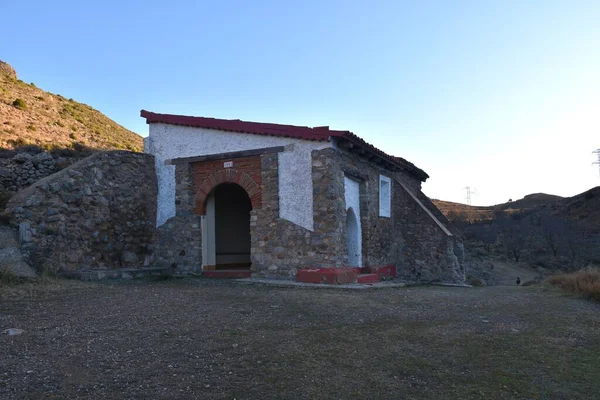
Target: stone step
point(227, 273)
point(367, 278)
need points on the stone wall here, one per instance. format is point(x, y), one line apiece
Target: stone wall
point(178, 242)
point(410, 238)
point(24, 169)
point(99, 213)
point(279, 247)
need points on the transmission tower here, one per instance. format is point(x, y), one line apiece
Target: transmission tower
point(469, 192)
point(597, 152)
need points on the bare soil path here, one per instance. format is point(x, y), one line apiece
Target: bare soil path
point(506, 273)
point(201, 339)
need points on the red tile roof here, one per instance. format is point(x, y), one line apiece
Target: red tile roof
point(321, 133)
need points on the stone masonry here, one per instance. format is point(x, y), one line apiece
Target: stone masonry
point(410, 239)
point(25, 169)
point(178, 242)
point(99, 213)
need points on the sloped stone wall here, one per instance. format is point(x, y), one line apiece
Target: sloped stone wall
point(99, 213)
point(410, 239)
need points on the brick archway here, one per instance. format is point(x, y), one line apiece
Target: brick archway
point(226, 176)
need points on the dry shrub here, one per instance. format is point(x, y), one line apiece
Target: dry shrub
point(585, 282)
point(473, 281)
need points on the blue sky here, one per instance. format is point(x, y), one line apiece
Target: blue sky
point(502, 96)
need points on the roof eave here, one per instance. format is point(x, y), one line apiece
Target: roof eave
point(371, 152)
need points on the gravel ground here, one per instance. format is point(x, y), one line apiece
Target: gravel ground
point(196, 339)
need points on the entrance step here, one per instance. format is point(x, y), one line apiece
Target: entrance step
point(227, 273)
point(367, 278)
point(328, 275)
point(367, 275)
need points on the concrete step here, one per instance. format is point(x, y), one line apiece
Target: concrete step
point(328, 275)
point(227, 273)
point(367, 278)
point(346, 275)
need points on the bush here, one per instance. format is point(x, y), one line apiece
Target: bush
point(585, 282)
point(20, 104)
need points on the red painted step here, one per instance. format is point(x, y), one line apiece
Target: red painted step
point(368, 278)
point(328, 275)
point(368, 275)
point(227, 273)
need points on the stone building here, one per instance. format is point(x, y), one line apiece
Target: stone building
point(270, 200)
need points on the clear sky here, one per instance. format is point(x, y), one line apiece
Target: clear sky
point(502, 96)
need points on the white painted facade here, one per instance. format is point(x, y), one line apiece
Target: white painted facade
point(353, 225)
point(167, 142)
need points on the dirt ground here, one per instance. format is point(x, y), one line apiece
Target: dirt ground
point(506, 273)
point(203, 339)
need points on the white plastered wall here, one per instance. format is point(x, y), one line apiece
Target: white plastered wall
point(166, 142)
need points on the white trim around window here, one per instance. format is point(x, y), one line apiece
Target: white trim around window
point(385, 196)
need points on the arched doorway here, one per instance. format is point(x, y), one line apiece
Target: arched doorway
point(226, 233)
point(353, 239)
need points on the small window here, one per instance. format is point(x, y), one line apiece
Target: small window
point(385, 195)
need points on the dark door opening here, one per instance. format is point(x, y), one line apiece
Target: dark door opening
point(232, 227)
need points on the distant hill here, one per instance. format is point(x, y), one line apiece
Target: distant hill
point(485, 213)
point(31, 116)
point(583, 209)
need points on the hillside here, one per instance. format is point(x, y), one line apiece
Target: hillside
point(486, 213)
point(583, 208)
point(542, 230)
point(29, 115)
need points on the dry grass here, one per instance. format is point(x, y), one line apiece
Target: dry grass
point(585, 282)
point(31, 116)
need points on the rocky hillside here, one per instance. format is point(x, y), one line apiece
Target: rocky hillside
point(32, 116)
point(469, 213)
point(543, 230)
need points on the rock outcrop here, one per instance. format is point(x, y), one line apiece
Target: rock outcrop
point(5, 68)
point(98, 213)
point(11, 259)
